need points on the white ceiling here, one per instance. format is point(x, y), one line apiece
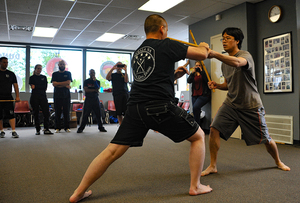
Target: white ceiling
point(81, 22)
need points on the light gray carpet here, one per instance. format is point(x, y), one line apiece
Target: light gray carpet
point(47, 169)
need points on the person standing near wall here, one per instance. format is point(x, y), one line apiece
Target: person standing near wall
point(7, 80)
point(119, 88)
point(61, 81)
point(39, 84)
point(201, 93)
point(91, 88)
point(242, 106)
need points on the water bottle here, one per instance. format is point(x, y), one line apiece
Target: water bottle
point(182, 97)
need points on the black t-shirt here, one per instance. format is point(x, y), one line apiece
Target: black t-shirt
point(91, 85)
point(61, 92)
point(119, 86)
point(40, 82)
point(7, 78)
point(153, 70)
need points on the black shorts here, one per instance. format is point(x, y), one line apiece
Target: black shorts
point(164, 117)
point(7, 110)
point(121, 103)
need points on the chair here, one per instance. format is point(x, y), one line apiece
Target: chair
point(111, 105)
point(186, 105)
point(23, 113)
point(111, 109)
point(77, 107)
point(180, 104)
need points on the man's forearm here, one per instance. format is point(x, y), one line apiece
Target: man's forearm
point(222, 86)
point(62, 84)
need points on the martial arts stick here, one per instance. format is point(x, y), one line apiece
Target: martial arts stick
point(7, 100)
point(183, 42)
point(202, 64)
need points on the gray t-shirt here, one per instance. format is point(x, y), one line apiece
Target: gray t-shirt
point(242, 87)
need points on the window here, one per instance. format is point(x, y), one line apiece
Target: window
point(102, 62)
point(49, 59)
point(16, 63)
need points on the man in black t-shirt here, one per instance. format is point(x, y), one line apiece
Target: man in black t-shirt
point(61, 81)
point(91, 88)
point(119, 82)
point(7, 80)
point(151, 106)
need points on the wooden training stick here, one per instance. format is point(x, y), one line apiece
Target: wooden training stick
point(202, 64)
point(183, 42)
point(7, 100)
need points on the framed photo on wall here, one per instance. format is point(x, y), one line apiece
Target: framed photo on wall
point(278, 64)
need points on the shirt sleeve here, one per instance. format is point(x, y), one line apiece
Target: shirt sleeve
point(70, 76)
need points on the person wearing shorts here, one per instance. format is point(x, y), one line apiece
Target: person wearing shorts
point(242, 106)
point(7, 80)
point(119, 82)
point(151, 105)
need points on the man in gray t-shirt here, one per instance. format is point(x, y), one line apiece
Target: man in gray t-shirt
point(241, 83)
point(242, 106)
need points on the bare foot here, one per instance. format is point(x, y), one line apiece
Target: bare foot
point(283, 167)
point(209, 170)
point(202, 189)
point(75, 198)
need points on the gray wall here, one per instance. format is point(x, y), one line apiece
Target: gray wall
point(253, 20)
point(282, 103)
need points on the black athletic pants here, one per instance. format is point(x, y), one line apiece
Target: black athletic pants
point(37, 101)
point(90, 104)
point(62, 105)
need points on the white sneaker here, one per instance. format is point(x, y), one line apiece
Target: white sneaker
point(68, 130)
point(57, 131)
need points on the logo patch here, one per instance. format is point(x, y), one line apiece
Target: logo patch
point(143, 63)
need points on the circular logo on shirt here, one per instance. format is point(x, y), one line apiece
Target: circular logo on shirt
point(105, 68)
point(143, 63)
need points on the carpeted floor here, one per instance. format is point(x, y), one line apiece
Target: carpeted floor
point(47, 169)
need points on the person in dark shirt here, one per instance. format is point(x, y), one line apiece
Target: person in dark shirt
point(200, 90)
point(39, 84)
point(119, 88)
point(61, 81)
point(91, 88)
point(7, 80)
point(151, 105)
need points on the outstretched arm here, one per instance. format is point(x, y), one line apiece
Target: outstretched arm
point(198, 53)
point(180, 71)
point(229, 60)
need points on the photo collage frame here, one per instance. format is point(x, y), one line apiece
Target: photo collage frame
point(278, 64)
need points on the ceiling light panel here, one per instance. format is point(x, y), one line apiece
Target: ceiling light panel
point(159, 5)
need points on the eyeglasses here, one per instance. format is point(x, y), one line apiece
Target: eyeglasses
point(226, 39)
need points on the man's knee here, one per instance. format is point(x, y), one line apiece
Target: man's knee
point(199, 135)
point(214, 133)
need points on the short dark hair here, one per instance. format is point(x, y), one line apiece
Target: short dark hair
point(236, 33)
point(3, 57)
point(153, 23)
